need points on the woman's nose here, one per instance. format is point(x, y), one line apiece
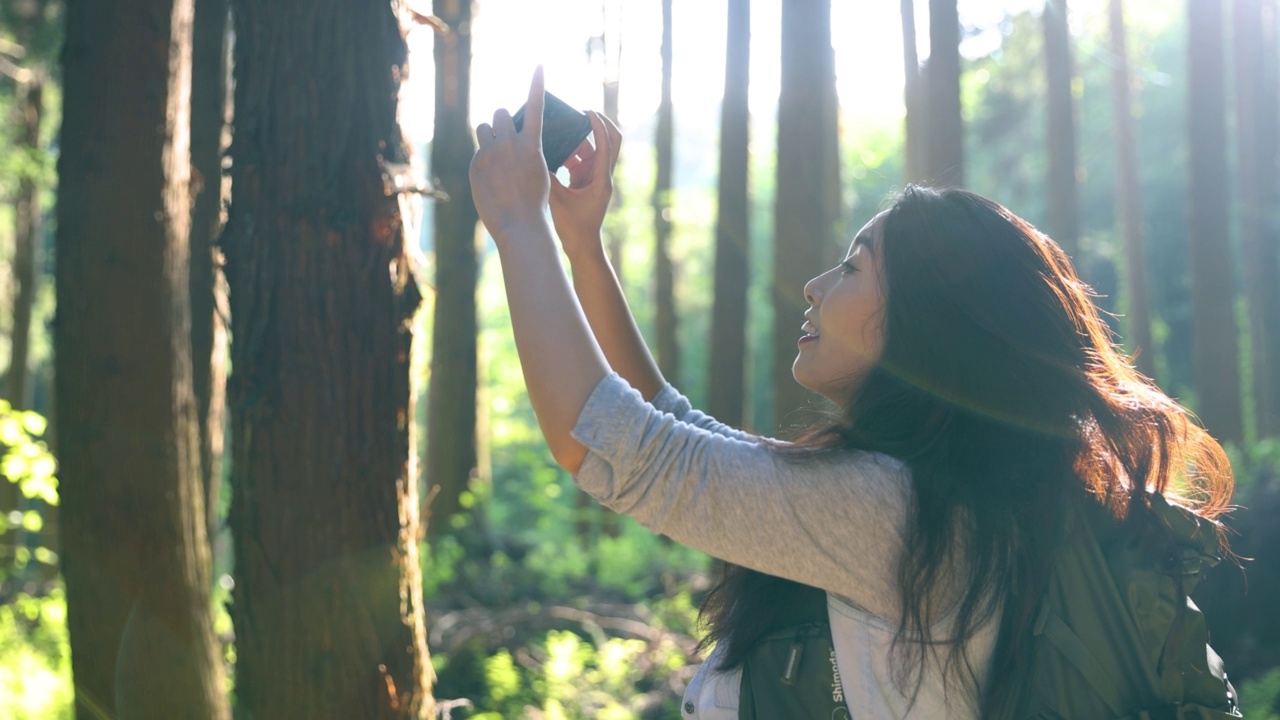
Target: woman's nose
point(811, 291)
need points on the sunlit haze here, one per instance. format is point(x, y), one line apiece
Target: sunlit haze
point(510, 37)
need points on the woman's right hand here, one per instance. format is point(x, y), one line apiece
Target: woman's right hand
point(578, 209)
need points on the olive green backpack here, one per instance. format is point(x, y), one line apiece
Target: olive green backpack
point(1117, 635)
point(790, 674)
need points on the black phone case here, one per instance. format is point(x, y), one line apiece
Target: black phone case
point(563, 129)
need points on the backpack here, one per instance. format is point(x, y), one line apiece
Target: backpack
point(1116, 635)
point(790, 673)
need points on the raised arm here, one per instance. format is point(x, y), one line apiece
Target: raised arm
point(578, 211)
point(560, 359)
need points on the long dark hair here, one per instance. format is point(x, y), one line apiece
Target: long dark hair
point(1001, 389)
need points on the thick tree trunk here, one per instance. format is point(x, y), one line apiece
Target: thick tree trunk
point(1062, 204)
point(1129, 200)
point(727, 374)
point(664, 273)
point(804, 232)
point(451, 404)
point(327, 602)
point(945, 128)
point(1256, 142)
point(137, 576)
point(1213, 294)
point(208, 334)
point(915, 139)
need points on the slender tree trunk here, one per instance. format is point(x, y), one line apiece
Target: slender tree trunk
point(804, 232)
point(1256, 157)
point(727, 374)
point(915, 138)
point(26, 239)
point(138, 576)
point(208, 335)
point(1063, 205)
point(664, 287)
point(615, 236)
point(451, 396)
point(615, 233)
point(1129, 199)
point(1213, 295)
point(945, 127)
point(327, 602)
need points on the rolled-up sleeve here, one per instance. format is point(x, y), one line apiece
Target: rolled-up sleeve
point(834, 523)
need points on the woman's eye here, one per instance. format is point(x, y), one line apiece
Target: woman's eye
point(847, 267)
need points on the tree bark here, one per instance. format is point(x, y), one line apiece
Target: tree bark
point(804, 231)
point(1213, 294)
point(727, 374)
point(26, 240)
point(327, 602)
point(1063, 204)
point(451, 404)
point(1129, 200)
point(945, 126)
point(664, 273)
point(915, 140)
point(208, 333)
point(137, 576)
point(1256, 142)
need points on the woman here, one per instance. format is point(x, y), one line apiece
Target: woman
point(979, 393)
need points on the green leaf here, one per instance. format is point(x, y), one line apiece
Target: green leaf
point(32, 522)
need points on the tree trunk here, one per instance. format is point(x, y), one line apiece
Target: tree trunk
point(26, 240)
point(727, 374)
point(1129, 200)
point(1062, 205)
point(615, 233)
point(915, 140)
point(1256, 143)
point(664, 286)
point(945, 127)
point(1213, 295)
point(803, 232)
point(137, 576)
point(451, 403)
point(327, 602)
point(208, 334)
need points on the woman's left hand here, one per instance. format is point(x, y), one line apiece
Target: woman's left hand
point(509, 178)
point(578, 209)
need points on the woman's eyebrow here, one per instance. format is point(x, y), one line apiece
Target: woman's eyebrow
point(864, 240)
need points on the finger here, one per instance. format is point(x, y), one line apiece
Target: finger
point(503, 125)
point(615, 141)
point(533, 109)
point(604, 153)
point(484, 134)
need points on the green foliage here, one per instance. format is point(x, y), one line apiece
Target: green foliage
point(26, 462)
point(1260, 697)
point(570, 674)
point(35, 658)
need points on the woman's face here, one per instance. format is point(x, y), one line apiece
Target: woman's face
point(844, 326)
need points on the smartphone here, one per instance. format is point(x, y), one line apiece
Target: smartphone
point(563, 130)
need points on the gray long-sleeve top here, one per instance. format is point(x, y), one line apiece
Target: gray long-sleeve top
point(835, 523)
